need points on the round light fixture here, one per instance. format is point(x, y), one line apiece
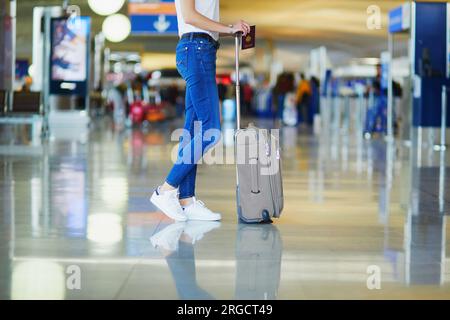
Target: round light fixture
point(105, 7)
point(116, 27)
point(31, 70)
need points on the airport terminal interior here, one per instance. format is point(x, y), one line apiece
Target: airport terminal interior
point(356, 92)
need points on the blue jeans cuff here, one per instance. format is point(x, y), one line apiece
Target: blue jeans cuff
point(170, 183)
point(186, 197)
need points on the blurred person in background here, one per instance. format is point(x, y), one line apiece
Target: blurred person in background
point(315, 99)
point(277, 106)
point(172, 94)
point(199, 29)
point(284, 84)
point(115, 98)
point(179, 105)
point(302, 97)
point(247, 98)
point(222, 92)
point(27, 83)
point(222, 89)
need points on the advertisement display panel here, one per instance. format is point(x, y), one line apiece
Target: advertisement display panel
point(448, 40)
point(69, 55)
point(6, 54)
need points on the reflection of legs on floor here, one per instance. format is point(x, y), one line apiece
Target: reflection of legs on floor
point(176, 244)
point(195, 230)
point(167, 239)
point(182, 266)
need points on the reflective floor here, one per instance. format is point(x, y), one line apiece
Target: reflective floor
point(75, 222)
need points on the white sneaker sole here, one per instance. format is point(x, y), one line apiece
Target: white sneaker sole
point(154, 199)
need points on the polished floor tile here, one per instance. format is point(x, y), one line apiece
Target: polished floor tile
point(354, 209)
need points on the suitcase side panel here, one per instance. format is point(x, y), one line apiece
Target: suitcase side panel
point(253, 203)
point(277, 177)
point(260, 191)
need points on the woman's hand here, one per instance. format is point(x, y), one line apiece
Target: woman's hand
point(241, 26)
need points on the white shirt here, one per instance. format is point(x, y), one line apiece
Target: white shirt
point(208, 8)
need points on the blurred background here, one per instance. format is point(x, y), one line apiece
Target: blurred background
point(90, 97)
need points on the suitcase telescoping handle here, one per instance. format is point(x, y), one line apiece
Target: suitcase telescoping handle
point(237, 41)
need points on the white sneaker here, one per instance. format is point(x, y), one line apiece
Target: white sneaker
point(169, 204)
point(198, 211)
point(197, 229)
point(168, 237)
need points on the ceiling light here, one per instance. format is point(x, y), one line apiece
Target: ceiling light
point(105, 8)
point(31, 70)
point(116, 28)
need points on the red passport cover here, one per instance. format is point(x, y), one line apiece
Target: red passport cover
point(249, 40)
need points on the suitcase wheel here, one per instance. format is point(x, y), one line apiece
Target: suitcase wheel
point(266, 217)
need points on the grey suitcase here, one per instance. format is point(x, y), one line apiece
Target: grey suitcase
point(259, 191)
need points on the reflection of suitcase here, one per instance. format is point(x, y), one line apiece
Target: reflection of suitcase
point(259, 191)
point(258, 262)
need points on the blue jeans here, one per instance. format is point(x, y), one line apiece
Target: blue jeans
point(196, 62)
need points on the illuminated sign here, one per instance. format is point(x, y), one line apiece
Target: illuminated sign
point(400, 18)
point(153, 17)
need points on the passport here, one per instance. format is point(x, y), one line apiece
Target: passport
point(249, 41)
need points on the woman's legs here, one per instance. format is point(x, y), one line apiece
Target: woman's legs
point(196, 63)
point(187, 185)
point(201, 89)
